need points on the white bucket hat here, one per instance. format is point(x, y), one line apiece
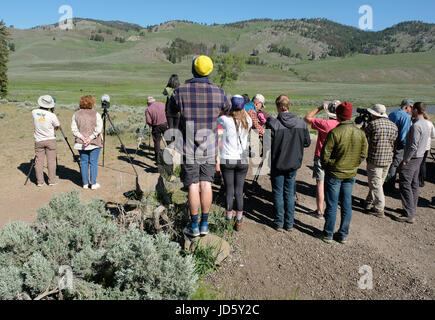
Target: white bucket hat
point(46, 102)
point(378, 110)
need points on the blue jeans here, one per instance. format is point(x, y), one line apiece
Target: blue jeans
point(283, 188)
point(89, 158)
point(335, 190)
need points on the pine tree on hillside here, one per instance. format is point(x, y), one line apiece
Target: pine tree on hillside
point(4, 58)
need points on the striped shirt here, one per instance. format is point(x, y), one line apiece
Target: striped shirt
point(381, 135)
point(200, 103)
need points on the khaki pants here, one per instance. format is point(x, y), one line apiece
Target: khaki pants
point(45, 149)
point(376, 176)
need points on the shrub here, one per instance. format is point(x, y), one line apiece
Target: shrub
point(118, 128)
point(107, 261)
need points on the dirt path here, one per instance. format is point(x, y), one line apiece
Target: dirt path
point(268, 265)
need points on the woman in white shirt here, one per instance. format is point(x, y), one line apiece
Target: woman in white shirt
point(234, 156)
point(422, 175)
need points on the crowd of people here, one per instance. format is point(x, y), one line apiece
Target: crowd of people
point(198, 109)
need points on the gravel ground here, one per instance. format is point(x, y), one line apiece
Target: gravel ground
point(266, 265)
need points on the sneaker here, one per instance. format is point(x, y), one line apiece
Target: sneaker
point(339, 239)
point(229, 217)
point(86, 186)
point(54, 184)
point(95, 186)
point(239, 225)
point(289, 229)
point(326, 240)
point(279, 229)
point(316, 215)
point(193, 232)
point(204, 230)
point(40, 185)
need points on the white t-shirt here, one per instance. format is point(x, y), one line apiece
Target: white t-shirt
point(431, 136)
point(231, 148)
point(45, 122)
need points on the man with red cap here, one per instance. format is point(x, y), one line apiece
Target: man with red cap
point(344, 151)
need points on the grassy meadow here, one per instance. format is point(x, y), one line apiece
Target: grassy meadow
point(66, 64)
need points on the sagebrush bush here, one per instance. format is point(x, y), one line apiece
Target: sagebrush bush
point(106, 261)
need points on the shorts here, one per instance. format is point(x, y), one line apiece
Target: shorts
point(318, 172)
point(196, 173)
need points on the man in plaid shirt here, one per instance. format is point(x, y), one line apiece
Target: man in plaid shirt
point(200, 103)
point(381, 135)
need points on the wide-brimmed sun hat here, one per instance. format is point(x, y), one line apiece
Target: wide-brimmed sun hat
point(378, 110)
point(46, 102)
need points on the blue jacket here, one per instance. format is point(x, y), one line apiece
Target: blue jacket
point(250, 106)
point(403, 122)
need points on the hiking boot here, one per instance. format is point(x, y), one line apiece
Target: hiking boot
point(316, 215)
point(405, 220)
point(239, 225)
point(289, 229)
point(378, 214)
point(192, 232)
point(204, 230)
point(365, 205)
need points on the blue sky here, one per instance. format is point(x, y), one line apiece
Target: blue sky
point(30, 13)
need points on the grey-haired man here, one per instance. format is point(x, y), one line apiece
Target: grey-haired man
point(402, 119)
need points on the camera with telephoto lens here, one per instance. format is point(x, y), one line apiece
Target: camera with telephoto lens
point(105, 101)
point(363, 118)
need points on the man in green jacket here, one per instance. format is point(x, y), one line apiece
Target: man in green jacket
point(344, 151)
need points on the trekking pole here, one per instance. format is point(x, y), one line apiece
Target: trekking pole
point(30, 171)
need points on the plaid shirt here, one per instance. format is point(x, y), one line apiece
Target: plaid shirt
point(381, 135)
point(255, 123)
point(200, 103)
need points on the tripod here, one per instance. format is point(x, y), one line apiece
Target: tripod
point(75, 157)
point(106, 116)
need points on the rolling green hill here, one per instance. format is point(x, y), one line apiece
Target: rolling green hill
point(309, 59)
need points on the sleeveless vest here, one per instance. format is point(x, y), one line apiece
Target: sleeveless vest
point(86, 120)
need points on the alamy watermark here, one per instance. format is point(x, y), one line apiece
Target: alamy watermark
point(366, 20)
point(66, 21)
point(66, 281)
point(366, 280)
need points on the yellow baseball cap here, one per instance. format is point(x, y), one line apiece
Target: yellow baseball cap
point(203, 66)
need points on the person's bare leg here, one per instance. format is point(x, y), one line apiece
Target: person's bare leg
point(206, 196)
point(320, 198)
point(194, 199)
